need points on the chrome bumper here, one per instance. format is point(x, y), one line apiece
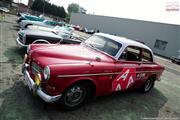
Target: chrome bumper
point(37, 89)
point(19, 44)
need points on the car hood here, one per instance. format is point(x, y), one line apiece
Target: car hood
point(32, 22)
point(59, 54)
point(36, 32)
point(37, 27)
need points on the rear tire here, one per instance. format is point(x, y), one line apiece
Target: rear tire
point(148, 85)
point(74, 97)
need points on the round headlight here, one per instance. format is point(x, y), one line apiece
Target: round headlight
point(28, 48)
point(46, 73)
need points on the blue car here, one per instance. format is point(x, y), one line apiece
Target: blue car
point(29, 17)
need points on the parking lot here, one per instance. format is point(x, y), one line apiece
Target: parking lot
point(17, 103)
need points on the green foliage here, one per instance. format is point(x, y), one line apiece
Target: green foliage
point(7, 0)
point(73, 8)
point(41, 5)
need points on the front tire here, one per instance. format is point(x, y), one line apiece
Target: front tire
point(75, 96)
point(148, 85)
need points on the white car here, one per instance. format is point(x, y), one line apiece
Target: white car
point(4, 9)
point(25, 23)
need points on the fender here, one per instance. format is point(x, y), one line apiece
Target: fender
point(25, 26)
point(80, 79)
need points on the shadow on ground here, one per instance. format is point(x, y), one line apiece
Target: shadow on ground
point(15, 54)
point(19, 104)
point(5, 21)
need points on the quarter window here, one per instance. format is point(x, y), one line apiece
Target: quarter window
point(146, 56)
point(131, 54)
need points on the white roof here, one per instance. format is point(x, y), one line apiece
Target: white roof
point(124, 41)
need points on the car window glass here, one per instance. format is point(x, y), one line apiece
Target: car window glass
point(146, 56)
point(112, 48)
point(131, 53)
point(106, 45)
point(98, 42)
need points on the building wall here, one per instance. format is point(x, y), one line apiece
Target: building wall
point(147, 32)
point(179, 38)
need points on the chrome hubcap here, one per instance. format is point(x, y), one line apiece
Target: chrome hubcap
point(148, 85)
point(74, 96)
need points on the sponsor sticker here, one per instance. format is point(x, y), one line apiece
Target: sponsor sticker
point(124, 80)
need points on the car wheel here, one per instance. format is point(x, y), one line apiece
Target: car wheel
point(149, 84)
point(172, 61)
point(75, 96)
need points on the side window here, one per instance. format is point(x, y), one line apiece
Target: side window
point(146, 56)
point(131, 53)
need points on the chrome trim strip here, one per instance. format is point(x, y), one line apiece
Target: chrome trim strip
point(38, 90)
point(19, 44)
point(99, 74)
point(41, 40)
point(148, 71)
point(83, 75)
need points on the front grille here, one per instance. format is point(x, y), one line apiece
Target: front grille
point(36, 68)
point(20, 37)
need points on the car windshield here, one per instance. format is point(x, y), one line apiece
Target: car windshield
point(103, 44)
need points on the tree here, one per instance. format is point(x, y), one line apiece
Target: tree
point(44, 6)
point(73, 8)
point(7, 0)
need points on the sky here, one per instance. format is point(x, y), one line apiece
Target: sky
point(148, 10)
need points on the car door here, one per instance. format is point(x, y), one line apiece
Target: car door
point(147, 67)
point(126, 68)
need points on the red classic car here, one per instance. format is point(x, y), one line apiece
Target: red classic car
point(100, 65)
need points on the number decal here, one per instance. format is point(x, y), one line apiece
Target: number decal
point(141, 76)
point(124, 80)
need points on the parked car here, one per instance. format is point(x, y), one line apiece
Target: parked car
point(76, 27)
point(38, 34)
point(4, 9)
point(25, 23)
point(29, 17)
point(22, 13)
point(88, 31)
point(176, 59)
point(101, 65)
point(91, 31)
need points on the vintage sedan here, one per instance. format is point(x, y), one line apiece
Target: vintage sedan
point(101, 65)
point(30, 17)
point(38, 34)
point(46, 23)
